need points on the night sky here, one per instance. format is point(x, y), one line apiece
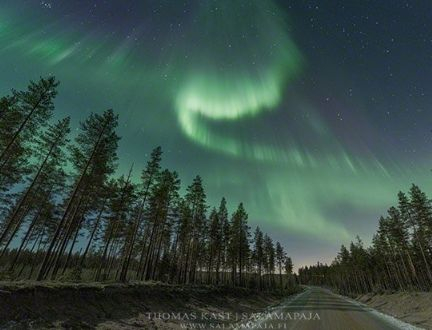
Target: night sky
point(313, 113)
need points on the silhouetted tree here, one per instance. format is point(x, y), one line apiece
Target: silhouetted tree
point(72, 217)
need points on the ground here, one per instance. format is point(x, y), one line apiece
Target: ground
point(412, 307)
point(117, 306)
point(319, 308)
point(51, 305)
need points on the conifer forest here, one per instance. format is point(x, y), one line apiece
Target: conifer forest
point(215, 164)
point(67, 214)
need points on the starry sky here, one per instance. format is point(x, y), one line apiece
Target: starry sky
point(313, 113)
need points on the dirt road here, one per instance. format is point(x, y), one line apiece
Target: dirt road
point(317, 308)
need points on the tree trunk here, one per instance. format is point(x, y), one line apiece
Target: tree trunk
point(42, 271)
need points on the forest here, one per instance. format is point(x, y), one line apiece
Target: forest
point(67, 215)
point(399, 258)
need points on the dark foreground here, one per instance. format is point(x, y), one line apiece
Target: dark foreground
point(132, 306)
point(158, 306)
point(317, 308)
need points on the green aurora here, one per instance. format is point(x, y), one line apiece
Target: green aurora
point(222, 95)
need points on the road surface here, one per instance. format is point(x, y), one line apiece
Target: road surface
point(317, 308)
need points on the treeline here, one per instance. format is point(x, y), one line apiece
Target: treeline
point(68, 217)
point(399, 258)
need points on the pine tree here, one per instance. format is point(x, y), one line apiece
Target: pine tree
point(258, 253)
point(215, 236)
point(35, 107)
point(149, 177)
point(16, 166)
point(223, 259)
point(51, 155)
point(94, 156)
point(398, 259)
point(184, 241)
point(420, 214)
point(270, 264)
point(239, 244)
point(280, 257)
point(196, 200)
point(162, 201)
point(123, 195)
point(288, 266)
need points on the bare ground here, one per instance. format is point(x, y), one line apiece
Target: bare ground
point(411, 307)
point(116, 306)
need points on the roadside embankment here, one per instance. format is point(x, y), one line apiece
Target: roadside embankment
point(411, 307)
point(122, 306)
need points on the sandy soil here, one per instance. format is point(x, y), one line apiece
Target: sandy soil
point(96, 306)
point(412, 307)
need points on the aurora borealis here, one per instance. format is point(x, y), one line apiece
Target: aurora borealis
point(314, 114)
